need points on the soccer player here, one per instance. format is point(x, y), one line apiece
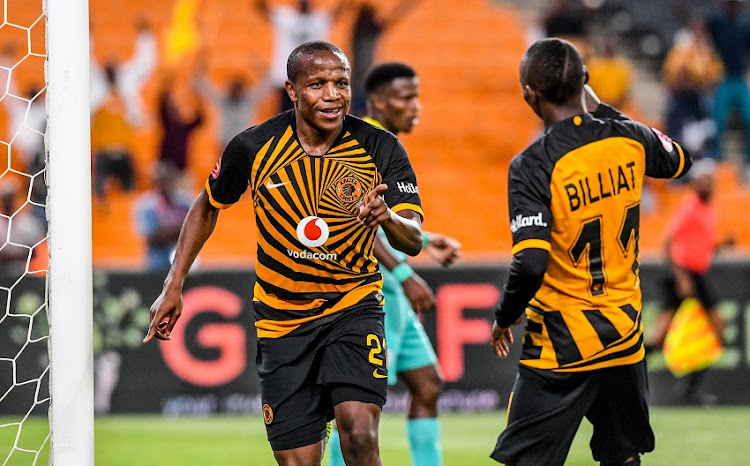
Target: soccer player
point(322, 182)
point(392, 91)
point(574, 198)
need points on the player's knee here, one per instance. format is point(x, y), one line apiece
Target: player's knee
point(360, 440)
point(428, 394)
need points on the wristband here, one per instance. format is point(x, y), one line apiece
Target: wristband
point(425, 239)
point(402, 272)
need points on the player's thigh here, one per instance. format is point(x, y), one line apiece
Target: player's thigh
point(396, 308)
point(704, 292)
point(544, 413)
point(295, 408)
point(355, 356)
point(671, 299)
point(416, 350)
point(620, 414)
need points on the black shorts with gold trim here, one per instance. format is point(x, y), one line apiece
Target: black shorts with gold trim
point(546, 408)
point(304, 374)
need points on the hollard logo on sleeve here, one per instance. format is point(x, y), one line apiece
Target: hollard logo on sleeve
point(526, 221)
point(407, 187)
point(217, 169)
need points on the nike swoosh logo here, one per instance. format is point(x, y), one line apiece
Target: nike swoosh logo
point(378, 375)
point(270, 185)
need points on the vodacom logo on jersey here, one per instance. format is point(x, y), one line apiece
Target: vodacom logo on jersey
point(312, 231)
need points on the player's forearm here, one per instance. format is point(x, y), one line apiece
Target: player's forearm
point(524, 279)
point(404, 232)
point(384, 257)
point(197, 228)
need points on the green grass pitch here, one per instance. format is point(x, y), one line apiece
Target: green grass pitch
point(684, 436)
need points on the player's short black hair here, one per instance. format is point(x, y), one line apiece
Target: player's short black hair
point(294, 62)
point(554, 68)
point(384, 74)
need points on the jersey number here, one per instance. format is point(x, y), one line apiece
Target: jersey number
point(373, 342)
point(590, 239)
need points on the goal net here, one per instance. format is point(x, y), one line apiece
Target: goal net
point(46, 409)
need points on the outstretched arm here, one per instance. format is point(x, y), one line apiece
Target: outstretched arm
point(403, 229)
point(417, 291)
point(442, 249)
point(524, 279)
point(197, 228)
point(399, 12)
point(261, 6)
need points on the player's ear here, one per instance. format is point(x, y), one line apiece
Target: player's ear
point(377, 101)
point(291, 92)
point(585, 75)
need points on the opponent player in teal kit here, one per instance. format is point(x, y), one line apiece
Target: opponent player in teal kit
point(393, 104)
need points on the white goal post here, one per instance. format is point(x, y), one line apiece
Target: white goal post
point(69, 282)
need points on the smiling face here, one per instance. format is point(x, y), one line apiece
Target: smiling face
point(321, 92)
point(398, 106)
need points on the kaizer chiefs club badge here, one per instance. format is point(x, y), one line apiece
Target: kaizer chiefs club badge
point(349, 189)
point(267, 414)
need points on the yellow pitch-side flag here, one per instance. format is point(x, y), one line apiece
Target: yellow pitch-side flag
point(691, 343)
point(182, 36)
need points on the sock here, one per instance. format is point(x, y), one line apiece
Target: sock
point(335, 457)
point(424, 441)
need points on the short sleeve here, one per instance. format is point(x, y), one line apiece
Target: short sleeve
point(528, 204)
point(402, 193)
point(664, 157)
point(229, 178)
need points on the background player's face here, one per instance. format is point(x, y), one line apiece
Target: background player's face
point(399, 105)
point(321, 92)
point(704, 186)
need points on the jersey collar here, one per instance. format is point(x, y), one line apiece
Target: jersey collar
point(374, 122)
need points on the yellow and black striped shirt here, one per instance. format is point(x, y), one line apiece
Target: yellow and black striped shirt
point(314, 257)
point(576, 193)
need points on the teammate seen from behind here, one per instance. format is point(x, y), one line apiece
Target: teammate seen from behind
point(393, 104)
point(322, 182)
point(574, 196)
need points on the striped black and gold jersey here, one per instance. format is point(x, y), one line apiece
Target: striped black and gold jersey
point(576, 193)
point(314, 257)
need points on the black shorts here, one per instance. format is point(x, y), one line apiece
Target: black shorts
point(703, 292)
point(304, 374)
point(546, 409)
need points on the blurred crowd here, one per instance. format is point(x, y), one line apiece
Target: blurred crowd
point(703, 74)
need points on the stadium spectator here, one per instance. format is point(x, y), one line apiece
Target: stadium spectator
point(393, 104)
point(116, 109)
point(690, 72)
point(730, 31)
point(180, 114)
point(112, 142)
point(569, 20)
point(369, 25)
point(159, 214)
point(575, 269)
point(20, 231)
point(292, 27)
point(317, 298)
point(611, 74)
point(691, 243)
point(126, 79)
point(237, 104)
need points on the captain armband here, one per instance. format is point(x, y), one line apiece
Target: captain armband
point(425, 239)
point(402, 272)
